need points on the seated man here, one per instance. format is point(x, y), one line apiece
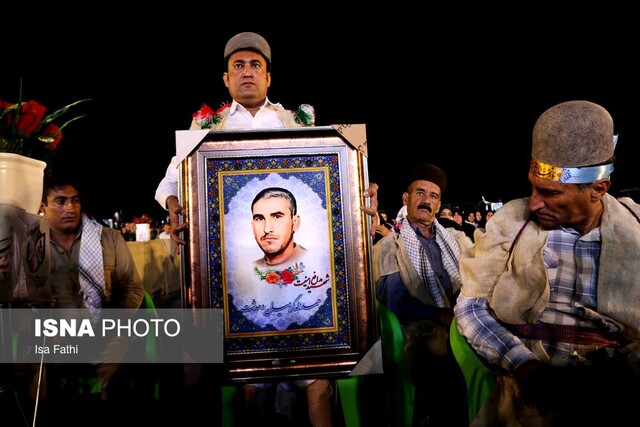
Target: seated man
point(551, 293)
point(417, 278)
point(91, 269)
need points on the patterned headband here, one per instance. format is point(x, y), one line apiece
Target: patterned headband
point(577, 175)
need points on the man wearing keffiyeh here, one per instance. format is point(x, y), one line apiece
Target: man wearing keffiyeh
point(418, 279)
point(91, 268)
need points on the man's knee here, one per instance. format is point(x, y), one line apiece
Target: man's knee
point(319, 402)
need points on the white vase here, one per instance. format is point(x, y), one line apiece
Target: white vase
point(143, 232)
point(21, 181)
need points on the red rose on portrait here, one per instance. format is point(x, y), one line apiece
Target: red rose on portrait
point(287, 277)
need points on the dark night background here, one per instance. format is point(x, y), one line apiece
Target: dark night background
point(460, 93)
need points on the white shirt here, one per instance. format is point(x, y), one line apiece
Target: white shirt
point(239, 118)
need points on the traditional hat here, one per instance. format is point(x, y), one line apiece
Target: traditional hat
point(429, 172)
point(248, 41)
point(573, 142)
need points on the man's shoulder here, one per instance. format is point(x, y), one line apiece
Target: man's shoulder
point(629, 204)
point(304, 116)
point(515, 206)
point(513, 211)
point(111, 233)
point(388, 243)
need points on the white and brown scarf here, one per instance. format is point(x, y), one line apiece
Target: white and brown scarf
point(417, 254)
point(91, 267)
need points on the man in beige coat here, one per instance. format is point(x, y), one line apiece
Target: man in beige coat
point(551, 292)
point(417, 278)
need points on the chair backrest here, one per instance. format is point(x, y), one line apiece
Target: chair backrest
point(150, 342)
point(401, 391)
point(478, 376)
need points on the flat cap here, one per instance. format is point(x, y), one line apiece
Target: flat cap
point(429, 172)
point(248, 41)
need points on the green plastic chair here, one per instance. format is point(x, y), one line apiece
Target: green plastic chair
point(479, 378)
point(150, 350)
point(150, 342)
point(401, 391)
point(349, 393)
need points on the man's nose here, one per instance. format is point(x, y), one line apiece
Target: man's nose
point(535, 202)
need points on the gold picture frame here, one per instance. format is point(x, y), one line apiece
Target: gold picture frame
point(302, 319)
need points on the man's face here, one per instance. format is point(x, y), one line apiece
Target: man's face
point(63, 209)
point(273, 225)
point(423, 202)
point(556, 204)
point(247, 78)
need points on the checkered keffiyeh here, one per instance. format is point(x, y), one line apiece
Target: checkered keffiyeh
point(418, 256)
point(91, 267)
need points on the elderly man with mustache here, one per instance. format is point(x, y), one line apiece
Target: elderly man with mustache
point(417, 278)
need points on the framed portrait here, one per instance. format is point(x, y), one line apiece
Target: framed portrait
point(278, 241)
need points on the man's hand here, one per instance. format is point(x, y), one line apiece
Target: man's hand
point(372, 209)
point(175, 210)
point(382, 230)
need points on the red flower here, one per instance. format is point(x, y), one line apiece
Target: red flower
point(31, 115)
point(203, 113)
point(287, 277)
point(280, 277)
point(52, 135)
point(205, 117)
point(144, 219)
point(27, 131)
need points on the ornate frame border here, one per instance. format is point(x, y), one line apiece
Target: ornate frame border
point(336, 169)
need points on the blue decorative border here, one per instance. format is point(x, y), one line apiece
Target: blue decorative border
point(314, 171)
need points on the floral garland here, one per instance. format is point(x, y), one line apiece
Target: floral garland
point(305, 115)
point(206, 118)
point(280, 277)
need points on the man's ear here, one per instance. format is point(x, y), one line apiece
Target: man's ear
point(296, 222)
point(225, 79)
point(599, 189)
point(42, 208)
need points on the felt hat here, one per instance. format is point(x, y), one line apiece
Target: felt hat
point(429, 172)
point(248, 41)
point(573, 142)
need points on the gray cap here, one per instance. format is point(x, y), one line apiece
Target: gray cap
point(573, 134)
point(248, 41)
